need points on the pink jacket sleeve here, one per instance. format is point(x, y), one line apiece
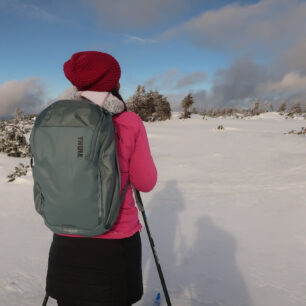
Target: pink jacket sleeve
point(142, 170)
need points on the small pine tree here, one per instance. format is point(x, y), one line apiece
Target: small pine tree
point(226, 111)
point(186, 104)
point(266, 107)
point(162, 109)
point(210, 112)
point(296, 108)
point(218, 112)
point(282, 108)
point(255, 110)
point(194, 110)
point(19, 113)
point(203, 112)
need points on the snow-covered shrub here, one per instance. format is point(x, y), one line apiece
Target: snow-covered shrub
point(301, 132)
point(223, 112)
point(12, 135)
point(295, 110)
point(13, 141)
point(18, 171)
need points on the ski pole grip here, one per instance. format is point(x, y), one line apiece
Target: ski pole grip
point(137, 198)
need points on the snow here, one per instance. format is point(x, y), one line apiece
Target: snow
point(227, 217)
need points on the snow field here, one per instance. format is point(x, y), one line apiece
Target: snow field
point(227, 217)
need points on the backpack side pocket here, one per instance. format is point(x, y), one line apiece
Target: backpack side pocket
point(38, 199)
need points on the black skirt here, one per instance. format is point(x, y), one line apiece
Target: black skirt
point(93, 271)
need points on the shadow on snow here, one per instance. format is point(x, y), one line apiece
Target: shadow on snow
point(200, 272)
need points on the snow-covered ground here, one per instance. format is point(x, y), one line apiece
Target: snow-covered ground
point(227, 216)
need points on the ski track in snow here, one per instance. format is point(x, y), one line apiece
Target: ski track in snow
point(227, 217)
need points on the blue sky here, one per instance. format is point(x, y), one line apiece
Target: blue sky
point(221, 51)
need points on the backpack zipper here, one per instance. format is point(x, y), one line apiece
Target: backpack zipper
point(100, 198)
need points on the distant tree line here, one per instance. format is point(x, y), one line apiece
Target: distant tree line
point(153, 106)
point(257, 109)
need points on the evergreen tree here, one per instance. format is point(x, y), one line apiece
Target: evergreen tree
point(255, 110)
point(194, 110)
point(203, 112)
point(186, 104)
point(282, 107)
point(139, 104)
point(296, 108)
point(162, 109)
point(150, 106)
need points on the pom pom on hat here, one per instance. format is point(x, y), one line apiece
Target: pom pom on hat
point(93, 70)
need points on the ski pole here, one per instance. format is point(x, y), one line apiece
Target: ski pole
point(159, 269)
point(45, 300)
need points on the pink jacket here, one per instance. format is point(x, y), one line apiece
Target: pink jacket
point(135, 162)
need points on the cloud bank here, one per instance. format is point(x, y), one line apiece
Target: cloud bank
point(272, 31)
point(265, 25)
point(27, 95)
point(238, 85)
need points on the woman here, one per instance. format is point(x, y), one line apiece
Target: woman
point(105, 269)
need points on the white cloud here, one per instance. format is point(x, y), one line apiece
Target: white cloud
point(136, 13)
point(295, 57)
point(173, 79)
point(191, 79)
point(131, 38)
point(28, 95)
point(292, 82)
point(26, 8)
point(164, 80)
point(68, 94)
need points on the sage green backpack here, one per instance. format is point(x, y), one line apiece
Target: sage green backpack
point(75, 171)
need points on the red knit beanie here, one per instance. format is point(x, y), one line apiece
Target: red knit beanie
point(93, 70)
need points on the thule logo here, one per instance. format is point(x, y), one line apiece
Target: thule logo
point(80, 146)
